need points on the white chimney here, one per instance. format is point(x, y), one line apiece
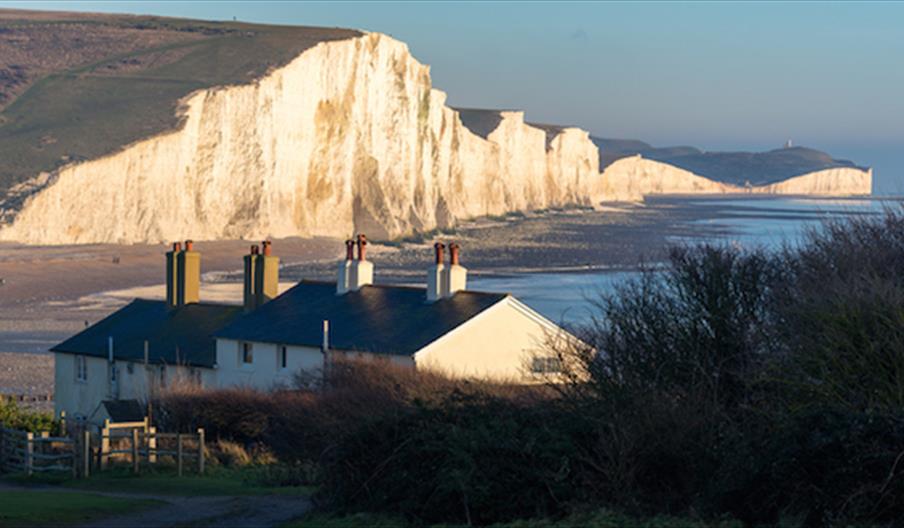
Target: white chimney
point(362, 271)
point(456, 275)
point(436, 275)
point(345, 268)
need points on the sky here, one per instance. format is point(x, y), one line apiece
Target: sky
point(720, 76)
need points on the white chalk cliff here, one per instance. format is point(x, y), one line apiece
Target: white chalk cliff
point(349, 136)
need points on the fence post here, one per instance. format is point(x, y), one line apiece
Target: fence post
point(86, 454)
point(104, 444)
point(2, 447)
point(29, 452)
point(135, 451)
point(152, 445)
point(201, 451)
point(179, 454)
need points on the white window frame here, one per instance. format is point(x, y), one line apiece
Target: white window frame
point(81, 368)
point(246, 353)
point(542, 365)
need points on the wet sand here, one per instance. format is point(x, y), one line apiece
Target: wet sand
point(51, 292)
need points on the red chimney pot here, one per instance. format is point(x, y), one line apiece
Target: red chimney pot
point(266, 246)
point(453, 253)
point(438, 249)
point(349, 249)
point(362, 247)
point(177, 246)
point(255, 249)
point(189, 244)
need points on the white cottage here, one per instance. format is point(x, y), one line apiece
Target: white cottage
point(148, 345)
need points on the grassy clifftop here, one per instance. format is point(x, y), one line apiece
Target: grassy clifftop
point(78, 86)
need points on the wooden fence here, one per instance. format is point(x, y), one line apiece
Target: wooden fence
point(135, 444)
point(31, 453)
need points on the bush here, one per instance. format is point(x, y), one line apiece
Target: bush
point(15, 417)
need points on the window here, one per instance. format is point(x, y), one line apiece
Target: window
point(546, 365)
point(81, 368)
point(247, 353)
point(282, 356)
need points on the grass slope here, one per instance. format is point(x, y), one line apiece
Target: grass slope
point(89, 110)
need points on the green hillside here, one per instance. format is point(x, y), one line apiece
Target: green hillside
point(104, 81)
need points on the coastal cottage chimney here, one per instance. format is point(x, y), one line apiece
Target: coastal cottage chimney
point(436, 274)
point(456, 275)
point(362, 271)
point(266, 275)
point(172, 274)
point(249, 296)
point(188, 275)
point(345, 268)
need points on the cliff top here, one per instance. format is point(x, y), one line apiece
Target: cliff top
point(79, 86)
point(739, 168)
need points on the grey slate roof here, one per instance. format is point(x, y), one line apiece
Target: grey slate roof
point(124, 410)
point(378, 319)
point(180, 336)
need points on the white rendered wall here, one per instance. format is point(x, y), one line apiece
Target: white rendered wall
point(82, 398)
point(264, 373)
point(498, 344)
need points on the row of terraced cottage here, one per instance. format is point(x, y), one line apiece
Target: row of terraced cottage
point(112, 367)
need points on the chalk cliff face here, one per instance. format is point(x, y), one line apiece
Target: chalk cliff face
point(629, 179)
point(830, 182)
point(350, 136)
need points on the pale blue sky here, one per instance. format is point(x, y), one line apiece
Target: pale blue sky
point(715, 75)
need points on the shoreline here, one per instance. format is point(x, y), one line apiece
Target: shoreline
point(51, 292)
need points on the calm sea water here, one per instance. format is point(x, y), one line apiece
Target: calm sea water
point(747, 224)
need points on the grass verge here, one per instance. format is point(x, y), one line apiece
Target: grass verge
point(26, 509)
point(217, 481)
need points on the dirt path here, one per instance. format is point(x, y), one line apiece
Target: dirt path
point(254, 511)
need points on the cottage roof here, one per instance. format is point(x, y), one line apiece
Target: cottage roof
point(179, 336)
point(380, 319)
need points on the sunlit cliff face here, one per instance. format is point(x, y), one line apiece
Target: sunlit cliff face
point(349, 136)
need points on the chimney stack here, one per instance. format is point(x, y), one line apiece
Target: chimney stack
point(345, 267)
point(249, 296)
point(362, 271)
point(436, 275)
point(188, 275)
point(266, 275)
point(172, 274)
point(261, 280)
point(456, 275)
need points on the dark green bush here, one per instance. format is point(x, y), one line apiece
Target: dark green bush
point(16, 417)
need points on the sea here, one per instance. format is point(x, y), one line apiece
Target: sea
point(768, 223)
